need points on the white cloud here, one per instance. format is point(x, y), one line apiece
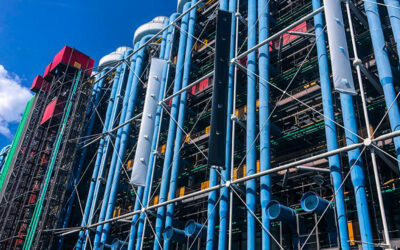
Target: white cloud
point(13, 99)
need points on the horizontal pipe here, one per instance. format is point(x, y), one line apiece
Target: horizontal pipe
point(192, 229)
point(175, 234)
point(277, 211)
point(246, 178)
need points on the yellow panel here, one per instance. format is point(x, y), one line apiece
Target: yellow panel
point(207, 130)
point(204, 185)
point(351, 233)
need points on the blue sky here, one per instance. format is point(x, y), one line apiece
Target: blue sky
point(33, 31)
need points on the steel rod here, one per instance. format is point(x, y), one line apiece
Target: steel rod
point(244, 179)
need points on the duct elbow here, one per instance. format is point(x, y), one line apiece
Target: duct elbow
point(277, 211)
point(175, 234)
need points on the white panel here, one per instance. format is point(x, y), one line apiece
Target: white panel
point(341, 70)
point(143, 148)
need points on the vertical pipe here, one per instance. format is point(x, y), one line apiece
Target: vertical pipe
point(383, 64)
point(166, 55)
point(139, 192)
point(330, 127)
point(96, 170)
point(123, 134)
point(95, 99)
point(335, 27)
point(226, 173)
point(251, 123)
point(116, 144)
point(367, 125)
point(393, 8)
point(264, 121)
point(357, 174)
point(171, 128)
point(181, 119)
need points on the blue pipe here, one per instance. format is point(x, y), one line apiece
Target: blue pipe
point(251, 124)
point(212, 200)
point(181, 120)
point(383, 63)
point(170, 233)
point(226, 173)
point(123, 80)
point(334, 19)
point(192, 229)
point(99, 188)
point(394, 15)
point(277, 211)
point(123, 132)
point(95, 99)
point(166, 55)
point(330, 127)
point(264, 121)
point(172, 127)
point(130, 87)
point(96, 170)
point(118, 244)
point(312, 203)
point(357, 174)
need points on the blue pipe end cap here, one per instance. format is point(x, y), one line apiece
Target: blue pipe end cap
point(309, 202)
point(190, 228)
point(277, 211)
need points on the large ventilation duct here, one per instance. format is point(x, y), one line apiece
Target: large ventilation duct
point(143, 33)
point(165, 53)
point(150, 28)
point(97, 176)
point(330, 126)
point(312, 203)
point(251, 186)
point(174, 234)
point(113, 58)
point(277, 211)
point(194, 229)
point(125, 84)
point(145, 138)
point(264, 121)
point(181, 4)
point(171, 129)
point(383, 63)
point(181, 118)
point(335, 25)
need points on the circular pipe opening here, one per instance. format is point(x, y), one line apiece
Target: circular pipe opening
point(273, 209)
point(190, 228)
point(168, 232)
point(309, 201)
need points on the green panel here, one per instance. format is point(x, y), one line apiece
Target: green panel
point(15, 142)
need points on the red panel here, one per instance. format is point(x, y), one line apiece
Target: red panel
point(52, 109)
point(37, 83)
point(73, 58)
point(287, 38)
point(47, 75)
